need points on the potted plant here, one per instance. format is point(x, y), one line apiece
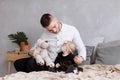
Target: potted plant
point(20, 39)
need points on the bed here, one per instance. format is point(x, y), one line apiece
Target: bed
point(103, 63)
point(91, 72)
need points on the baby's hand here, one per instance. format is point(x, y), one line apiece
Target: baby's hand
point(57, 65)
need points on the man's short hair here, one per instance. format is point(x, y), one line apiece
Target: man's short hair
point(45, 19)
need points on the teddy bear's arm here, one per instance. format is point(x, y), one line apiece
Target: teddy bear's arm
point(44, 55)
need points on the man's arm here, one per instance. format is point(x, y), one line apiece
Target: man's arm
point(80, 47)
point(31, 51)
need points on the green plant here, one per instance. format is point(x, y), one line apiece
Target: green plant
point(18, 38)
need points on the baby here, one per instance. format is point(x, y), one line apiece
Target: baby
point(64, 61)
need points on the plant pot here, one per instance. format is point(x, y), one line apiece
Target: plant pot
point(24, 47)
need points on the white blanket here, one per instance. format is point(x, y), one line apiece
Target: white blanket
point(91, 72)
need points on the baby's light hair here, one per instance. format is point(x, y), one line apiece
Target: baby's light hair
point(70, 46)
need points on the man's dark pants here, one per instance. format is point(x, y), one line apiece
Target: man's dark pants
point(28, 65)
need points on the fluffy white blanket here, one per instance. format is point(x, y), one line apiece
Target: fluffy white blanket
point(91, 72)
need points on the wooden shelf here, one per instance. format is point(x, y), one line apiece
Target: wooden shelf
point(12, 56)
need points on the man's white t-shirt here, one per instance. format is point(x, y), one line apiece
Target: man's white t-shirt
point(67, 32)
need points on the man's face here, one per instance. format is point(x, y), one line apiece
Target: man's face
point(54, 26)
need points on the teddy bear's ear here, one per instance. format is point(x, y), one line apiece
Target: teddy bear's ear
point(65, 41)
point(39, 41)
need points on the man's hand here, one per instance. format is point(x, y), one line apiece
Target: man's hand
point(31, 52)
point(78, 59)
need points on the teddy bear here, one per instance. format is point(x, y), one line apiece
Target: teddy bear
point(41, 54)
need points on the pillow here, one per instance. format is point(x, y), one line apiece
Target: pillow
point(89, 50)
point(93, 42)
point(108, 53)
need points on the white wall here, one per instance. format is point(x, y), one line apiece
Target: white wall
point(93, 18)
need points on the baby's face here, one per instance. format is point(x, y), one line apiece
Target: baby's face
point(65, 50)
point(68, 47)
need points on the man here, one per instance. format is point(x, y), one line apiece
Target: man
point(55, 33)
